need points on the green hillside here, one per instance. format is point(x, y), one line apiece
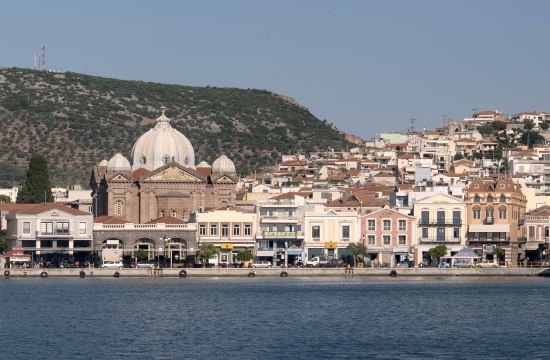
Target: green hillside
point(77, 120)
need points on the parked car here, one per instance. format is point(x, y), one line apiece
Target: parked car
point(489, 264)
point(330, 263)
point(262, 264)
point(145, 264)
point(463, 264)
point(112, 265)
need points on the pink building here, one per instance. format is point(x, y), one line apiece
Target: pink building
point(388, 236)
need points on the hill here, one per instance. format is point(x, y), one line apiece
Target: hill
point(77, 120)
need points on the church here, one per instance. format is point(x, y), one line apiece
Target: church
point(161, 179)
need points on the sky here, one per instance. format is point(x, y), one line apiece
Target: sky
point(365, 66)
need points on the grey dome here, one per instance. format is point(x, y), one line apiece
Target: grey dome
point(160, 145)
point(223, 165)
point(118, 162)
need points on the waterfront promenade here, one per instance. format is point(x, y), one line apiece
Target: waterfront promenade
point(273, 272)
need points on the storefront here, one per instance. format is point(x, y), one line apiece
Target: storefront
point(17, 259)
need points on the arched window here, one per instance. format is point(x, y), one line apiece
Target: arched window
point(502, 198)
point(174, 213)
point(161, 213)
point(166, 159)
point(476, 198)
point(183, 213)
point(186, 161)
point(489, 199)
point(143, 160)
point(119, 207)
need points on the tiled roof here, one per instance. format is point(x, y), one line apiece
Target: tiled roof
point(40, 208)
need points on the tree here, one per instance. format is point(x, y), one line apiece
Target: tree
point(437, 252)
point(357, 249)
point(545, 125)
point(244, 256)
point(5, 199)
point(458, 156)
point(37, 188)
point(528, 124)
point(141, 254)
point(498, 253)
point(4, 245)
point(206, 252)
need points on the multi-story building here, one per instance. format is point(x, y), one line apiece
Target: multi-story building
point(537, 224)
point(280, 238)
point(496, 215)
point(440, 220)
point(388, 236)
point(50, 232)
point(230, 229)
point(329, 232)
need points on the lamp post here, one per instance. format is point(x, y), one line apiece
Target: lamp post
point(164, 239)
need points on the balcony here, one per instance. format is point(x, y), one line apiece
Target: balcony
point(521, 221)
point(482, 240)
point(434, 240)
point(489, 220)
point(440, 222)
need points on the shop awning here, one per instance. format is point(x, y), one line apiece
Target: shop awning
point(489, 228)
point(531, 246)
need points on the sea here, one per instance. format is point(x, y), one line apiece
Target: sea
point(275, 318)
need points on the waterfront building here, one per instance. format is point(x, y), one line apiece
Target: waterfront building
point(537, 224)
point(441, 220)
point(280, 236)
point(388, 236)
point(495, 217)
point(51, 232)
point(230, 229)
point(328, 232)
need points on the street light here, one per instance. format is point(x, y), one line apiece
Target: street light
point(164, 239)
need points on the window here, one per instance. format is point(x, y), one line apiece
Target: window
point(82, 228)
point(213, 230)
point(161, 214)
point(166, 160)
point(371, 224)
point(477, 214)
point(502, 236)
point(247, 230)
point(387, 225)
point(345, 232)
point(425, 217)
point(456, 233)
point(424, 233)
point(62, 228)
point(489, 213)
point(440, 234)
point(225, 230)
point(387, 239)
point(402, 240)
point(441, 217)
point(236, 230)
point(144, 160)
point(476, 198)
point(402, 224)
point(489, 199)
point(119, 206)
point(316, 231)
point(456, 217)
point(476, 236)
point(531, 231)
point(46, 228)
point(489, 236)
point(502, 198)
point(26, 227)
point(202, 230)
point(370, 239)
point(502, 214)
point(174, 213)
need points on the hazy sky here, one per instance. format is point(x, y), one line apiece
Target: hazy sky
point(366, 66)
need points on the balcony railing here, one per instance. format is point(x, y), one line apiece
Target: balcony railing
point(447, 222)
point(492, 240)
point(430, 240)
point(489, 220)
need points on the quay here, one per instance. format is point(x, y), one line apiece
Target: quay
point(272, 272)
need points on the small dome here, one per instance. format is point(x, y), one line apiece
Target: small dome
point(103, 162)
point(119, 162)
point(161, 145)
point(204, 164)
point(223, 165)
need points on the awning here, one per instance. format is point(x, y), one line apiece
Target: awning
point(264, 253)
point(531, 246)
point(294, 252)
point(490, 228)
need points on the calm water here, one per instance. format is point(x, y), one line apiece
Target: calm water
point(275, 318)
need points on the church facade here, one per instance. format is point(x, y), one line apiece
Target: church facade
point(160, 184)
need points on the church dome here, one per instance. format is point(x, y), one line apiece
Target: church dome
point(223, 165)
point(103, 162)
point(118, 163)
point(161, 145)
point(203, 164)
